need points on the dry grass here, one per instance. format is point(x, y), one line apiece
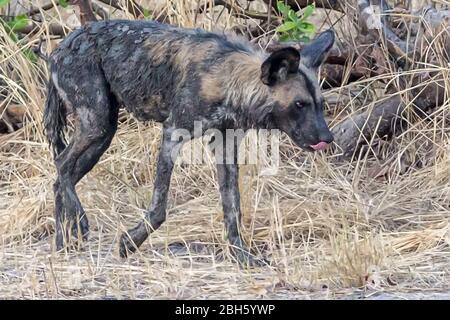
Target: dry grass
point(331, 229)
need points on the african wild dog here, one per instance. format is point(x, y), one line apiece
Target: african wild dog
point(175, 76)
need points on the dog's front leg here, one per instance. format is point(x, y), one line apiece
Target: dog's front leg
point(228, 175)
point(156, 214)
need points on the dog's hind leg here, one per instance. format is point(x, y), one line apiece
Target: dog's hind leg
point(156, 214)
point(97, 114)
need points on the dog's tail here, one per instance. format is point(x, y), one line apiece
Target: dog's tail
point(54, 119)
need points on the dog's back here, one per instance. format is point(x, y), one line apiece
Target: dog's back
point(147, 65)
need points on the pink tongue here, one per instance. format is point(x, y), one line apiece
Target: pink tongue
point(320, 146)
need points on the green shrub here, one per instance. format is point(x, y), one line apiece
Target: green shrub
point(295, 27)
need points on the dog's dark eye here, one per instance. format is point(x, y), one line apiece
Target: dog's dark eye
point(298, 104)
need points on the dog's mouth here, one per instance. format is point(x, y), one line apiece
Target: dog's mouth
point(315, 147)
point(308, 146)
point(319, 146)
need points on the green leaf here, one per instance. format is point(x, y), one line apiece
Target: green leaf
point(63, 3)
point(280, 6)
point(292, 16)
point(304, 39)
point(18, 23)
point(4, 3)
point(286, 26)
point(147, 14)
point(307, 27)
point(284, 38)
point(30, 55)
point(307, 12)
point(294, 27)
point(284, 9)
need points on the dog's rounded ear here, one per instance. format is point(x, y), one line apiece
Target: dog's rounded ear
point(279, 64)
point(314, 53)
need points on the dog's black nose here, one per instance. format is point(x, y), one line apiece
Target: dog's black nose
point(326, 137)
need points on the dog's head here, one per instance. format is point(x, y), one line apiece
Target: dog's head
point(293, 85)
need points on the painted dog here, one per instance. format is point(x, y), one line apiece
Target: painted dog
point(174, 76)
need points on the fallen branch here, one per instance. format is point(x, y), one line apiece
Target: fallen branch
point(44, 7)
point(433, 17)
point(11, 117)
point(235, 10)
point(100, 11)
point(132, 7)
point(86, 13)
point(380, 29)
point(54, 29)
point(381, 119)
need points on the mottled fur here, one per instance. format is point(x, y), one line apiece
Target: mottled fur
point(175, 76)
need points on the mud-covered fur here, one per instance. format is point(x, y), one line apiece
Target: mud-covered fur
point(175, 76)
